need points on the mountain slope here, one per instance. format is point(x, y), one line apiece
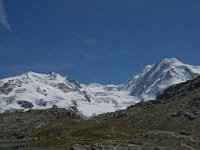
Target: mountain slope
point(172, 120)
point(169, 122)
point(33, 90)
point(157, 77)
point(42, 91)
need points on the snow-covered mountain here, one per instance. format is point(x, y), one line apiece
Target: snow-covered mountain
point(41, 91)
point(157, 77)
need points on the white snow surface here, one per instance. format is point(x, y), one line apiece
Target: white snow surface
point(41, 91)
point(157, 77)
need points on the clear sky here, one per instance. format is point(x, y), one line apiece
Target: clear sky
point(104, 41)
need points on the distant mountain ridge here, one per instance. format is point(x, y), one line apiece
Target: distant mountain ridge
point(41, 91)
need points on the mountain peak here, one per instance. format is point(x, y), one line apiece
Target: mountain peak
point(169, 61)
point(154, 79)
point(39, 73)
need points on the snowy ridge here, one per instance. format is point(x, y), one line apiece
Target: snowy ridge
point(42, 91)
point(157, 77)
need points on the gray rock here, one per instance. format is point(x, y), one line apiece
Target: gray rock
point(96, 147)
point(25, 104)
point(21, 134)
point(183, 132)
point(178, 114)
point(77, 147)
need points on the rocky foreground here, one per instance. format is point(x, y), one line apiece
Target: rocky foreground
point(172, 121)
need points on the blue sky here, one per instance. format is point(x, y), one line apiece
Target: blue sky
point(104, 41)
